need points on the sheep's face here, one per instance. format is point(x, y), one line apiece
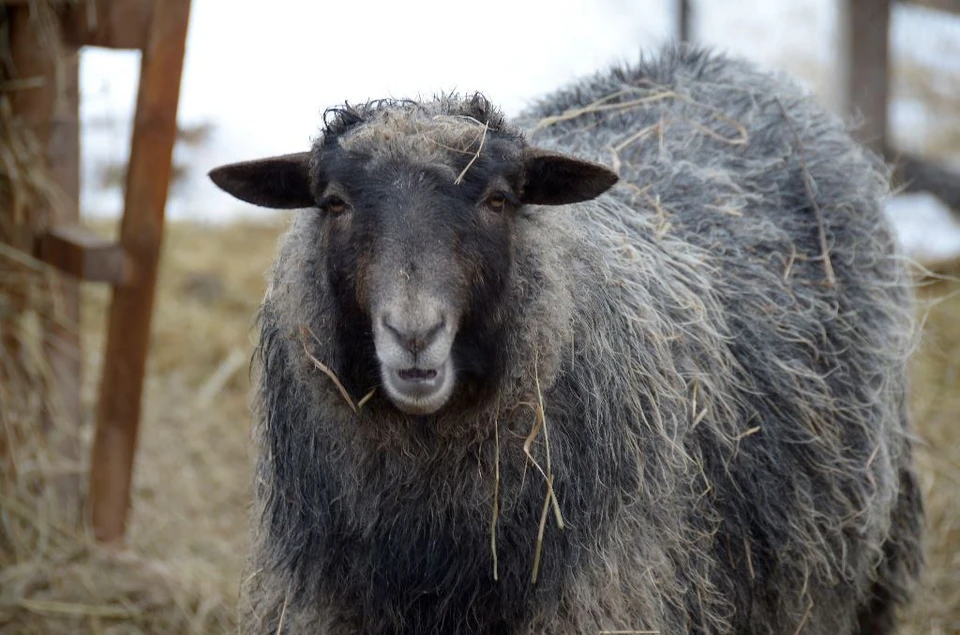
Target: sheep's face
point(417, 225)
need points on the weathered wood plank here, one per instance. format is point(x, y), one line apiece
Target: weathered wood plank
point(866, 27)
point(920, 175)
point(117, 24)
point(84, 255)
point(148, 180)
point(684, 20)
point(949, 6)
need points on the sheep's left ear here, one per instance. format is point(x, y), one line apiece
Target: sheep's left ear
point(557, 179)
point(281, 182)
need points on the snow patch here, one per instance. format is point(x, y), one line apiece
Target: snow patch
point(925, 227)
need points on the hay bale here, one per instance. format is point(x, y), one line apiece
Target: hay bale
point(27, 193)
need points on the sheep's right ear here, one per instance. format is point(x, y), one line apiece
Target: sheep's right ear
point(558, 179)
point(280, 182)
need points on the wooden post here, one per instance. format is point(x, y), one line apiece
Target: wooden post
point(949, 6)
point(866, 25)
point(684, 20)
point(917, 175)
point(148, 178)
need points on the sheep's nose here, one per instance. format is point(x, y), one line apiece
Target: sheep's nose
point(413, 338)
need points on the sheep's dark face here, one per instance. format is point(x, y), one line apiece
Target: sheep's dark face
point(418, 234)
point(421, 256)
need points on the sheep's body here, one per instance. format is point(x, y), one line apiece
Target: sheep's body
point(725, 419)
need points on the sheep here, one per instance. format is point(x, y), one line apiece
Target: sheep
point(632, 361)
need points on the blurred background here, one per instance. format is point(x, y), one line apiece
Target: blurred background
point(255, 79)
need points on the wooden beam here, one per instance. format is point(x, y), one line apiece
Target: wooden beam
point(918, 175)
point(84, 255)
point(116, 24)
point(148, 180)
point(948, 6)
point(866, 28)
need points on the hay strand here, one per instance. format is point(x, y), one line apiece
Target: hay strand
point(367, 397)
point(602, 105)
point(283, 614)
point(495, 516)
point(550, 500)
point(220, 377)
point(540, 531)
point(463, 173)
point(808, 187)
point(304, 330)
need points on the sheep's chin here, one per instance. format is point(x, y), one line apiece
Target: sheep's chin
point(419, 391)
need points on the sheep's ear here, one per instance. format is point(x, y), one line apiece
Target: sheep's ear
point(558, 179)
point(281, 182)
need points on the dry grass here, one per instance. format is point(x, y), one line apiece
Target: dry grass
point(935, 404)
point(189, 521)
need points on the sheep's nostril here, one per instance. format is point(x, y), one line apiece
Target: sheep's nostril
point(413, 339)
point(433, 332)
point(394, 331)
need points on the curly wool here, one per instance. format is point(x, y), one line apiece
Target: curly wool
point(724, 403)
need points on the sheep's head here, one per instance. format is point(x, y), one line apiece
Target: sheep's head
point(417, 205)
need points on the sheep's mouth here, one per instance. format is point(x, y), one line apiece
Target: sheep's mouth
point(416, 390)
point(417, 374)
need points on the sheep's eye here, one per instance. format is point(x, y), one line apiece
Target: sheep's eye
point(333, 205)
point(497, 201)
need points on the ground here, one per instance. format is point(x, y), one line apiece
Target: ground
point(189, 521)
